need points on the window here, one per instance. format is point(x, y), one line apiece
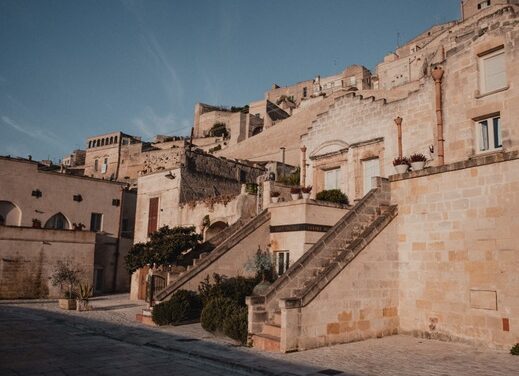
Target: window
point(57, 222)
point(304, 92)
point(96, 165)
point(96, 222)
point(153, 215)
point(102, 142)
point(282, 261)
point(353, 81)
point(370, 168)
point(115, 139)
point(104, 166)
point(332, 179)
point(484, 4)
point(489, 134)
point(492, 71)
point(111, 140)
point(89, 144)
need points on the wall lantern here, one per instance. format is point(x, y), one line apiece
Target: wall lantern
point(36, 193)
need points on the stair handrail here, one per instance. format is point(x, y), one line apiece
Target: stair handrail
point(331, 234)
point(216, 253)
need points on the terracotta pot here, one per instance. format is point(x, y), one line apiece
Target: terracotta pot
point(417, 166)
point(401, 168)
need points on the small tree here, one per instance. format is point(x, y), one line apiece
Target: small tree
point(263, 265)
point(66, 274)
point(165, 247)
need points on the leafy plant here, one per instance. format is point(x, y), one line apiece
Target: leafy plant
point(400, 161)
point(183, 306)
point(219, 130)
point(295, 190)
point(235, 325)
point(417, 157)
point(306, 189)
point(85, 291)
point(251, 188)
point(263, 265)
point(235, 288)
point(515, 349)
point(66, 274)
point(165, 247)
point(214, 313)
point(275, 193)
point(333, 195)
point(292, 179)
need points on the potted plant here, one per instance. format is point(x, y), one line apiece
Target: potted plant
point(306, 191)
point(401, 164)
point(66, 276)
point(84, 294)
point(295, 192)
point(274, 196)
point(36, 223)
point(417, 161)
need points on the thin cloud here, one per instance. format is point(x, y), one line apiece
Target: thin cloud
point(150, 124)
point(33, 132)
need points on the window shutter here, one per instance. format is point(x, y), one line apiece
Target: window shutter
point(495, 73)
point(153, 215)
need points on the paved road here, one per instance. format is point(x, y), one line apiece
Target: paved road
point(38, 338)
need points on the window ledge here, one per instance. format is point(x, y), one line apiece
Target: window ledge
point(487, 152)
point(479, 95)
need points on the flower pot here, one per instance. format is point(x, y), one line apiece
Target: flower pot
point(295, 196)
point(306, 196)
point(82, 305)
point(417, 166)
point(67, 304)
point(401, 168)
point(274, 199)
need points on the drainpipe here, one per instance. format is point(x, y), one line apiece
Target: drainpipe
point(398, 122)
point(303, 166)
point(437, 74)
point(118, 241)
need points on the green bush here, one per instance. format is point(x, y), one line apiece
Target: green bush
point(333, 195)
point(515, 349)
point(235, 325)
point(183, 306)
point(214, 313)
point(235, 288)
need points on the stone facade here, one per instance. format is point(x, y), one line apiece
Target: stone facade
point(32, 197)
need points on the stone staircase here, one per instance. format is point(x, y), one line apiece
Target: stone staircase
point(308, 276)
point(205, 260)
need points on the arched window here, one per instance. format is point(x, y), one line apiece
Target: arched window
point(107, 140)
point(10, 214)
point(98, 142)
point(102, 142)
point(89, 144)
point(115, 139)
point(58, 222)
point(111, 140)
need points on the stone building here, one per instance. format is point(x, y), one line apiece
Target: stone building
point(46, 216)
point(428, 252)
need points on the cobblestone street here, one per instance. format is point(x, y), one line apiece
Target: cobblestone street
point(36, 338)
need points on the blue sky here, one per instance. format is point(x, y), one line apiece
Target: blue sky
point(74, 69)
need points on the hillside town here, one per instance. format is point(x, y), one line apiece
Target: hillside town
point(385, 201)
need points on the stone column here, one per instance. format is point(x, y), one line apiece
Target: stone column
point(398, 122)
point(437, 74)
point(303, 166)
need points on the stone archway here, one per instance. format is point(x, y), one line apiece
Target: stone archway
point(58, 222)
point(214, 229)
point(10, 214)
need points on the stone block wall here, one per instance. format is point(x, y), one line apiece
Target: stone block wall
point(361, 302)
point(28, 258)
point(458, 250)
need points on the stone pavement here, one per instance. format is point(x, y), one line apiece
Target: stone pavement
point(38, 338)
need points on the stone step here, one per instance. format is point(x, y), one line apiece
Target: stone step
point(266, 342)
point(271, 330)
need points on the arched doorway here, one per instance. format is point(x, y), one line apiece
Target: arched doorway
point(214, 229)
point(10, 214)
point(58, 222)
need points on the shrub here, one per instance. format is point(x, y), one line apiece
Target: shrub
point(214, 313)
point(235, 324)
point(400, 161)
point(417, 157)
point(235, 288)
point(333, 195)
point(515, 349)
point(219, 130)
point(183, 306)
point(66, 275)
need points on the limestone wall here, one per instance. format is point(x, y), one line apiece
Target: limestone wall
point(459, 255)
point(29, 256)
point(361, 302)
